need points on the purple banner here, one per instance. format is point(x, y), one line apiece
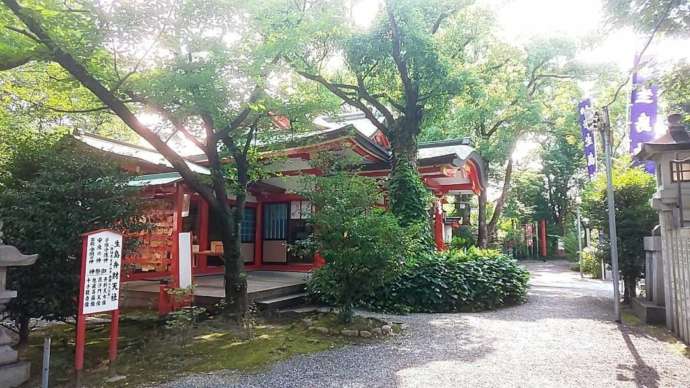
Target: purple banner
point(643, 110)
point(585, 111)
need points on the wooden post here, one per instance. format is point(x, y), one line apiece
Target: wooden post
point(542, 238)
point(203, 234)
point(438, 226)
point(114, 335)
point(177, 228)
point(81, 323)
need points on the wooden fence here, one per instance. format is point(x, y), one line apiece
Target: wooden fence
point(676, 257)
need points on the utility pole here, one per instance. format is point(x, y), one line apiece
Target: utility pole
point(578, 201)
point(605, 126)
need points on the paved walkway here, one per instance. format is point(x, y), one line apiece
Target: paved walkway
point(563, 337)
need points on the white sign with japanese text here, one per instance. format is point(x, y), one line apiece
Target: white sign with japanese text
point(102, 273)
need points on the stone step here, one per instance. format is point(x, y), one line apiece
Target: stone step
point(281, 301)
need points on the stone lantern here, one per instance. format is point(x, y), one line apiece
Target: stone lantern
point(668, 275)
point(12, 372)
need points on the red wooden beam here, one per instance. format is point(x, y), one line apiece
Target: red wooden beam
point(202, 261)
point(542, 238)
point(300, 155)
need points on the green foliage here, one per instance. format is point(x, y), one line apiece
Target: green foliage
point(409, 198)
point(644, 16)
point(53, 194)
point(635, 218)
point(591, 262)
point(456, 281)
point(464, 239)
point(570, 244)
point(527, 202)
point(363, 246)
point(676, 86)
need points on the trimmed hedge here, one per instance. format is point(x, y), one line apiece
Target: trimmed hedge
point(455, 281)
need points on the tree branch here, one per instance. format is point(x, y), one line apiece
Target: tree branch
point(443, 16)
point(644, 48)
point(363, 93)
point(108, 98)
point(349, 100)
point(25, 33)
point(400, 62)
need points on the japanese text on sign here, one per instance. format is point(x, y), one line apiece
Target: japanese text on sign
point(102, 272)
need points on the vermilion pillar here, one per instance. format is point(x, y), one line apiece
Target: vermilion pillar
point(203, 234)
point(542, 238)
point(438, 225)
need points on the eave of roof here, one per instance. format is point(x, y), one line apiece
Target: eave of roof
point(133, 151)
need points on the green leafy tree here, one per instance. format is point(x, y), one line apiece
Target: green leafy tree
point(657, 18)
point(50, 195)
point(505, 104)
point(199, 66)
point(645, 16)
point(399, 72)
point(363, 245)
point(635, 217)
point(563, 163)
point(676, 89)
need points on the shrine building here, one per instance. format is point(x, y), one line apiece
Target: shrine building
point(275, 213)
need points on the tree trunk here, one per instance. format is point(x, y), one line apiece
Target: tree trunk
point(482, 241)
point(500, 203)
point(234, 276)
point(630, 288)
point(406, 189)
point(24, 330)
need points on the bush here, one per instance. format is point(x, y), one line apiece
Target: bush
point(363, 246)
point(591, 262)
point(635, 218)
point(49, 195)
point(465, 238)
point(478, 279)
point(570, 244)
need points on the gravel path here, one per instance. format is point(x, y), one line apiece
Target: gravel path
point(562, 337)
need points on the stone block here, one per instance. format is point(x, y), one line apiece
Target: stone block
point(649, 312)
point(14, 375)
point(7, 355)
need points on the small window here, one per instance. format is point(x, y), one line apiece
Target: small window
point(275, 221)
point(300, 210)
point(681, 170)
point(248, 225)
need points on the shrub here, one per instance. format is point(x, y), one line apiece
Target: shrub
point(363, 246)
point(465, 238)
point(591, 262)
point(478, 279)
point(49, 195)
point(635, 218)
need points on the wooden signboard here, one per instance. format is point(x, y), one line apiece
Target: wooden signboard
point(99, 287)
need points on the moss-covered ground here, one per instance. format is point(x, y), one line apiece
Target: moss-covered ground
point(150, 353)
point(655, 331)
